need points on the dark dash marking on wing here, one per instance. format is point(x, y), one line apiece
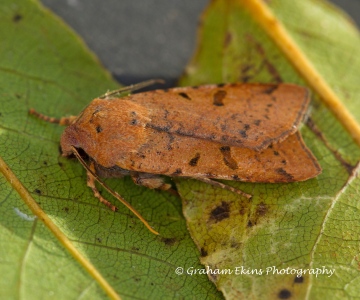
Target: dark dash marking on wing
point(219, 97)
point(184, 95)
point(228, 160)
point(193, 162)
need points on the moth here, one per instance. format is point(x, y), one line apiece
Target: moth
point(240, 132)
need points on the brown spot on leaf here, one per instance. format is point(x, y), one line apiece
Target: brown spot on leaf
point(261, 209)
point(168, 241)
point(284, 294)
point(228, 39)
point(218, 98)
point(203, 252)
point(298, 279)
point(242, 210)
point(235, 244)
point(17, 18)
point(213, 276)
point(98, 129)
point(221, 212)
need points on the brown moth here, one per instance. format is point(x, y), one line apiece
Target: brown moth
point(242, 132)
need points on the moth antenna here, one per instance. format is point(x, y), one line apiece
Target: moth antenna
point(64, 121)
point(132, 87)
point(115, 194)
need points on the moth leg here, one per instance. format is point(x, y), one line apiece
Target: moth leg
point(62, 121)
point(224, 186)
point(91, 184)
point(150, 181)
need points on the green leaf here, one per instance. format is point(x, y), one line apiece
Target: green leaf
point(290, 227)
point(57, 240)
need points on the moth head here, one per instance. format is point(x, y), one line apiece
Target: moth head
point(69, 139)
point(83, 133)
point(107, 131)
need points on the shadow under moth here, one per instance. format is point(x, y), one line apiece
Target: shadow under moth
point(241, 132)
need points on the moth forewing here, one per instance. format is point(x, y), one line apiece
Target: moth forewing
point(242, 132)
point(183, 156)
point(244, 115)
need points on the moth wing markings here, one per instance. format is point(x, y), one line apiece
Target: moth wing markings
point(288, 161)
point(244, 115)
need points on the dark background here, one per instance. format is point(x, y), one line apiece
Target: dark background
point(138, 40)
